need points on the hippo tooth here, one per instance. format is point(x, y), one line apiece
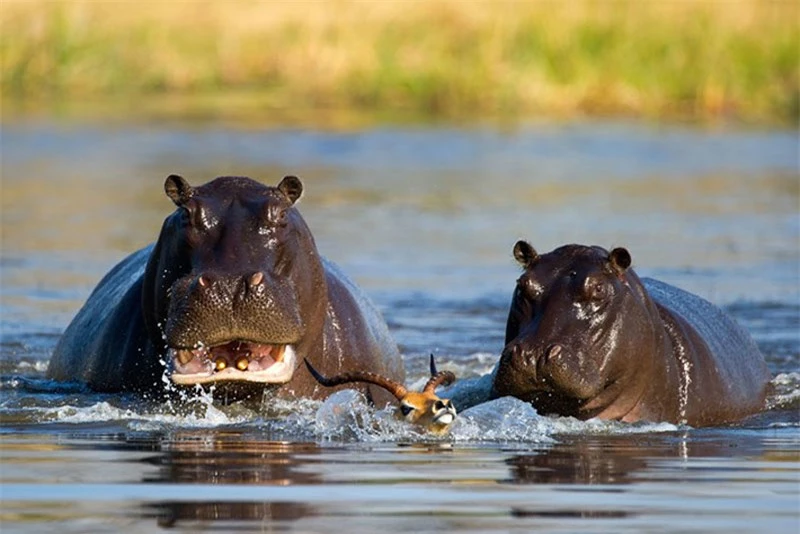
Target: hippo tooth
point(221, 364)
point(256, 278)
point(185, 356)
point(278, 354)
point(242, 364)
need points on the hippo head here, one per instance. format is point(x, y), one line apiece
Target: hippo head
point(576, 321)
point(234, 290)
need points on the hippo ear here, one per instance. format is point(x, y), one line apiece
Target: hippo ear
point(525, 254)
point(620, 259)
point(292, 187)
point(178, 189)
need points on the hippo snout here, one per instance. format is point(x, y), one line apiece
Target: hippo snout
point(211, 308)
point(552, 353)
point(525, 370)
point(227, 288)
point(516, 373)
point(518, 358)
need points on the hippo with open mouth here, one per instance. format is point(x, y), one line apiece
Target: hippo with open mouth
point(587, 338)
point(233, 293)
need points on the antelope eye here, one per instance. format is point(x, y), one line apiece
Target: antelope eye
point(405, 409)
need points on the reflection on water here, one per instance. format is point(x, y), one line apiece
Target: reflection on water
point(234, 479)
point(225, 458)
point(424, 220)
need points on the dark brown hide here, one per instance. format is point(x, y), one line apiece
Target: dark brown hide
point(587, 338)
point(234, 293)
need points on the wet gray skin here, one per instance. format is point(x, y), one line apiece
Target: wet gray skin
point(585, 338)
point(233, 293)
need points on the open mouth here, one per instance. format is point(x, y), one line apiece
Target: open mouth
point(445, 417)
point(233, 361)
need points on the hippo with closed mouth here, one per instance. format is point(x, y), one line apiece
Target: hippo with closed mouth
point(233, 293)
point(587, 338)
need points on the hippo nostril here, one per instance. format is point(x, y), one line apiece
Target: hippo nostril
point(514, 351)
point(518, 356)
point(554, 351)
point(206, 281)
point(256, 278)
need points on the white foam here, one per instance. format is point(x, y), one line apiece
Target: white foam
point(196, 409)
point(100, 412)
point(571, 425)
point(505, 419)
point(787, 391)
point(40, 366)
point(345, 416)
point(105, 412)
point(787, 379)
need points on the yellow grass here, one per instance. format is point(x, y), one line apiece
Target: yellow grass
point(439, 57)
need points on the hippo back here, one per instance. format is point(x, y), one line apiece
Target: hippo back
point(373, 320)
point(738, 359)
point(111, 313)
point(356, 345)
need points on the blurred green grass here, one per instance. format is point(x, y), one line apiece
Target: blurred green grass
point(688, 60)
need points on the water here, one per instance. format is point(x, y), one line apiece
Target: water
point(424, 219)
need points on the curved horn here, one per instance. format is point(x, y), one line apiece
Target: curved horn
point(395, 388)
point(433, 366)
point(441, 378)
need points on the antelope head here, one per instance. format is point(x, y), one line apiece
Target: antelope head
point(424, 408)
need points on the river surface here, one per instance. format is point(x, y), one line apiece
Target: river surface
point(424, 219)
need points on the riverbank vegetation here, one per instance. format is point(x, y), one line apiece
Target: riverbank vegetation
point(690, 59)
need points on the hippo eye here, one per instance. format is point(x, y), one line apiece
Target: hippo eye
point(405, 409)
point(595, 289)
point(194, 214)
point(599, 290)
point(527, 286)
point(275, 215)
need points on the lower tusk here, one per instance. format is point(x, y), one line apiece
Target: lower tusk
point(221, 364)
point(185, 356)
point(279, 351)
point(242, 364)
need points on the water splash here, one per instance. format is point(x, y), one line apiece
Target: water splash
point(505, 420)
point(684, 380)
point(346, 416)
point(198, 410)
point(786, 392)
